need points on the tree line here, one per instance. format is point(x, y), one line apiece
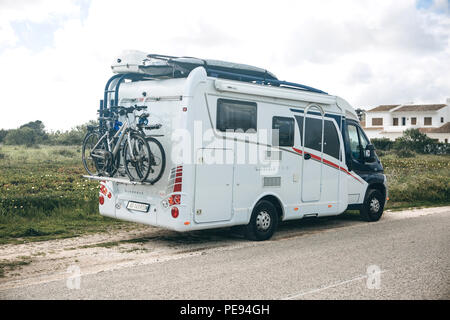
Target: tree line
point(411, 142)
point(34, 133)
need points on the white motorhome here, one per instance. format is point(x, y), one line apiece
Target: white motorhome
point(242, 148)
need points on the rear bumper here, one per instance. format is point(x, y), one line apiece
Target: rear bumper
point(158, 215)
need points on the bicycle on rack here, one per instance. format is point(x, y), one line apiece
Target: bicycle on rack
point(105, 145)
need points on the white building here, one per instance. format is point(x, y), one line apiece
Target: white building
point(389, 121)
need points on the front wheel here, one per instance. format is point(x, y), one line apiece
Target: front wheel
point(373, 206)
point(263, 222)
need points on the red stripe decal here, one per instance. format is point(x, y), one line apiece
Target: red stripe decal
point(327, 162)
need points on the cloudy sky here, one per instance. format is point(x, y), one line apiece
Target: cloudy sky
point(55, 56)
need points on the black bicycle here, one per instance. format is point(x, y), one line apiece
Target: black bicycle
point(104, 147)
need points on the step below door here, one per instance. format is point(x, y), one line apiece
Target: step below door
point(213, 188)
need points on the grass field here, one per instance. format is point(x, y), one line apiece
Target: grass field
point(43, 195)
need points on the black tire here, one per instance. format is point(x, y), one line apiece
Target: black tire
point(93, 166)
point(263, 223)
point(373, 206)
point(157, 161)
point(137, 170)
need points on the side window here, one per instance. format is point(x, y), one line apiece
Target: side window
point(285, 127)
point(313, 133)
point(300, 127)
point(331, 140)
point(354, 141)
point(236, 115)
point(363, 139)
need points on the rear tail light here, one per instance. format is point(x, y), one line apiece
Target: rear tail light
point(174, 199)
point(101, 199)
point(175, 212)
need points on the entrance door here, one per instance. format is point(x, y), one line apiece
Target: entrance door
point(312, 142)
point(213, 188)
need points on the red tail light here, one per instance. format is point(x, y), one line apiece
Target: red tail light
point(101, 199)
point(174, 199)
point(175, 212)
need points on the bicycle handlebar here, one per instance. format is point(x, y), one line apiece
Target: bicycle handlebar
point(124, 110)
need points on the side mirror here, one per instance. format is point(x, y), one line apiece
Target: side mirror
point(369, 153)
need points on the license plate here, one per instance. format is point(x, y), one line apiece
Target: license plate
point(138, 206)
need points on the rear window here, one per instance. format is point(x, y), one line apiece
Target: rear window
point(236, 115)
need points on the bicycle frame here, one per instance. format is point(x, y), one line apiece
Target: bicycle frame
point(125, 129)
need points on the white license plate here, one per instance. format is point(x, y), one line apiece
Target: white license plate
point(138, 206)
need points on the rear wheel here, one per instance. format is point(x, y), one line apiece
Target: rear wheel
point(137, 158)
point(263, 222)
point(373, 206)
point(95, 161)
point(157, 160)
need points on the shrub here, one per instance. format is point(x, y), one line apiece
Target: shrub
point(381, 153)
point(405, 153)
point(21, 136)
point(384, 144)
point(73, 136)
point(414, 140)
point(438, 148)
point(3, 134)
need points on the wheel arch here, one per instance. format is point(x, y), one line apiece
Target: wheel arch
point(378, 186)
point(275, 200)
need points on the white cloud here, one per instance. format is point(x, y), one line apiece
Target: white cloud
point(368, 52)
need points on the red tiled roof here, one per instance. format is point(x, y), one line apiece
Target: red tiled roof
point(382, 108)
point(442, 129)
point(422, 107)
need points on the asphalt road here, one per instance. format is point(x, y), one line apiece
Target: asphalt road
point(390, 259)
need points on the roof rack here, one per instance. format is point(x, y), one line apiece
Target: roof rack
point(260, 80)
point(233, 71)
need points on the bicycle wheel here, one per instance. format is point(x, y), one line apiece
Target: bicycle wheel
point(136, 157)
point(95, 160)
point(157, 160)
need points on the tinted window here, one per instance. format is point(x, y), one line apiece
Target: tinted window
point(236, 115)
point(313, 133)
point(300, 127)
point(331, 140)
point(354, 141)
point(285, 134)
point(363, 139)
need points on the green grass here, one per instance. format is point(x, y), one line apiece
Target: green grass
point(44, 196)
point(423, 180)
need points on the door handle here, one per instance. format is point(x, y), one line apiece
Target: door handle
point(307, 156)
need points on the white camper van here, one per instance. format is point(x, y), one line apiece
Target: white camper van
point(241, 147)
